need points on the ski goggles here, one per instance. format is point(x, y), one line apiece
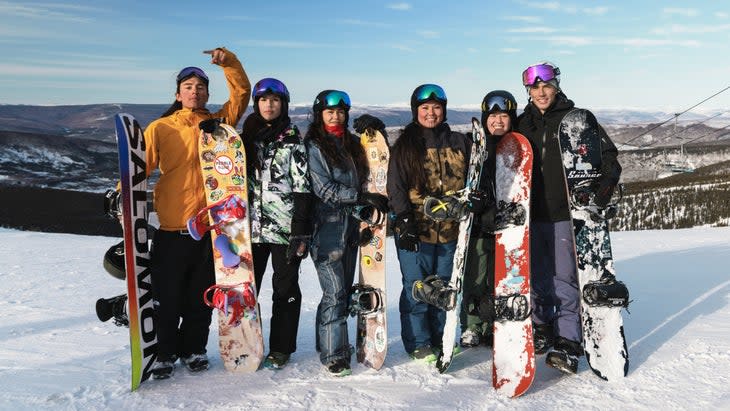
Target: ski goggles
point(498, 103)
point(539, 72)
point(270, 85)
point(192, 71)
point(428, 92)
point(336, 98)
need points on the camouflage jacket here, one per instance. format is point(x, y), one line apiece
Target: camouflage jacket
point(283, 173)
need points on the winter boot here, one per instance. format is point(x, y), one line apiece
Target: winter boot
point(543, 337)
point(432, 290)
point(470, 338)
point(114, 261)
point(565, 355)
point(339, 367)
point(162, 369)
point(196, 362)
point(276, 360)
point(423, 354)
point(606, 292)
point(116, 307)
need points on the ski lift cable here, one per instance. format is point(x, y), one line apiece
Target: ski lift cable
point(683, 130)
point(673, 118)
point(707, 134)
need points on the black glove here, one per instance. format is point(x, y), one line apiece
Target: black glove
point(377, 200)
point(603, 193)
point(297, 249)
point(407, 229)
point(366, 121)
point(209, 125)
point(480, 201)
point(112, 206)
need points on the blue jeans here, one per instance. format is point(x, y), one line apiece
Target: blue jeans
point(334, 253)
point(554, 281)
point(423, 324)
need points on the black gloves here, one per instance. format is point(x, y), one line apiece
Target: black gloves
point(480, 201)
point(407, 229)
point(603, 192)
point(297, 249)
point(366, 121)
point(377, 200)
point(112, 206)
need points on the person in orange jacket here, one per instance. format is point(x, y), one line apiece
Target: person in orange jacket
point(182, 268)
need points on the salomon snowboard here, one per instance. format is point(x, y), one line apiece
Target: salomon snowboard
point(368, 297)
point(476, 160)
point(513, 354)
point(133, 201)
point(603, 296)
point(223, 165)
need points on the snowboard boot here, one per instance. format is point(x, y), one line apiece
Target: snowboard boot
point(470, 338)
point(432, 290)
point(565, 355)
point(606, 292)
point(162, 369)
point(114, 261)
point(196, 362)
point(339, 368)
point(543, 337)
point(115, 307)
point(276, 360)
point(423, 354)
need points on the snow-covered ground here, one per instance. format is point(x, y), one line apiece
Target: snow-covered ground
point(55, 354)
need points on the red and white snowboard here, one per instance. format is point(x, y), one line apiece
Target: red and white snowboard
point(513, 367)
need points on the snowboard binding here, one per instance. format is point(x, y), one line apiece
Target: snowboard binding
point(115, 307)
point(606, 292)
point(369, 215)
point(226, 214)
point(446, 208)
point(236, 300)
point(509, 215)
point(364, 300)
point(432, 290)
point(513, 307)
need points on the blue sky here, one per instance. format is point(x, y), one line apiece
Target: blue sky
point(664, 55)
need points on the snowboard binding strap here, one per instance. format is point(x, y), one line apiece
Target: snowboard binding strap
point(236, 300)
point(606, 292)
point(368, 215)
point(451, 207)
point(364, 300)
point(432, 290)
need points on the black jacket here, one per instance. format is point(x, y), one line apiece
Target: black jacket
point(549, 197)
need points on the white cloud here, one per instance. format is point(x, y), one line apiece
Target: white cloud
point(571, 41)
point(53, 12)
point(684, 29)
point(681, 12)
point(354, 22)
point(533, 30)
point(283, 44)
point(721, 14)
point(403, 48)
point(429, 34)
point(595, 11)
point(399, 6)
point(510, 50)
point(526, 19)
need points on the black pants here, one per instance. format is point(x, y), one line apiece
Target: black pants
point(182, 269)
point(287, 297)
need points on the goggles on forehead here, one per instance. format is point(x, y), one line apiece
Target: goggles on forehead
point(540, 72)
point(270, 85)
point(498, 103)
point(192, 71)
point(336, 98)
point(428, 92)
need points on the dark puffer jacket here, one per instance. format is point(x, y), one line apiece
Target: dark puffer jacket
point(549, 192)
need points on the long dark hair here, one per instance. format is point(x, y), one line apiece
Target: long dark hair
point(408, 153)
point(257, 131)
point(332, 154)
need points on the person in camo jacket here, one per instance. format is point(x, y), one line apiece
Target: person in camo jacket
point(280, 197)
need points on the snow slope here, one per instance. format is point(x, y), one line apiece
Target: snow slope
point(55, 354)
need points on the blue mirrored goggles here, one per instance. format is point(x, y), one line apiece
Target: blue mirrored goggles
point(498, 103)
point(336, 98)
point(192, 71)
point(270, 85)
point(428, 92)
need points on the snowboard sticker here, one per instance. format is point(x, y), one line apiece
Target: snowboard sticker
point(133, 182)
point(603, 333)
point(476, 160)
point(372, 327)
point(513, 354)
point(223, 165)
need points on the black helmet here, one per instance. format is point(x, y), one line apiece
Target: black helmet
point(425, 93)
point(499, 101)
point(331, 99)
